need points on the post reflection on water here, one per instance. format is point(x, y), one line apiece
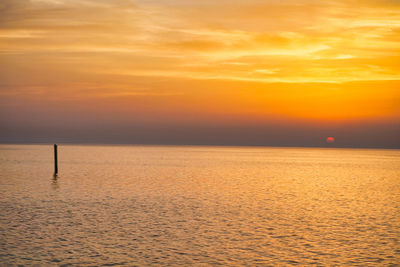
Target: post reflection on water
point(54, 182)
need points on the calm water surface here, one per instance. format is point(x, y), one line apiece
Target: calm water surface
point(138, 205)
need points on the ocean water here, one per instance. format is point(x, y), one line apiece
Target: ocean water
point(166, 205)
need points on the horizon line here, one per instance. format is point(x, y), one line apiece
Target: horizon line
point(198, 145)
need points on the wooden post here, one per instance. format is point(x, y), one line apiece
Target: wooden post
point(55, 160)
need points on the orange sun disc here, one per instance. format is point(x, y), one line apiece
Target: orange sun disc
point(330, 140)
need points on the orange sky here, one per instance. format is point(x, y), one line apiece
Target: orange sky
point(331, 62)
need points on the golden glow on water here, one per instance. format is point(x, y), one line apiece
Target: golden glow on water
point(199, 205)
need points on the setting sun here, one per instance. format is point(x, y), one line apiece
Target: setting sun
point(330, 140)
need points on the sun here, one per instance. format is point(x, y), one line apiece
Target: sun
point(330, 140)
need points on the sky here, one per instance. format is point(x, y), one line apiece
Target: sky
point(209, 72)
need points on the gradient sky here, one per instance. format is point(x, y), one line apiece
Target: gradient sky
point(244, 72)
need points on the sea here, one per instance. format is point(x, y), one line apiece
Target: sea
point(199, 206)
